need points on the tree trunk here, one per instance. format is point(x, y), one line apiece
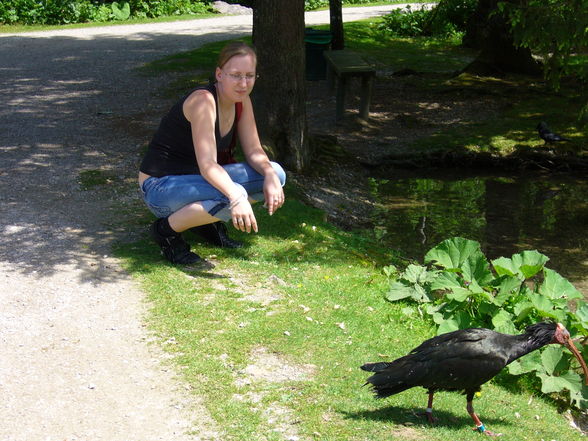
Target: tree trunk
point(280, 92)
point(336, 10)
point(490, 32)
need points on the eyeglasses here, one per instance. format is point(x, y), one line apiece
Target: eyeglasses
point(249, 77)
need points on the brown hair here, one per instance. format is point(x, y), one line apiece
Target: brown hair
point(233, 49)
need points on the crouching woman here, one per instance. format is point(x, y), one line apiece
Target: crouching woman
point(188, 176)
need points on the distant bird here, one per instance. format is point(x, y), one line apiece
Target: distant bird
point(547, 135)
point(462, 361)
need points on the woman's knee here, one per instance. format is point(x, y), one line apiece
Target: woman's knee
point(280, 172)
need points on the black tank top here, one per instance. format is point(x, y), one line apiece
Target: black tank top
point(171, 151)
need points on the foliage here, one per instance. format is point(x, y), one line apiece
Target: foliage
point(454, 12)
point(53, 12)
point(406, 22)
point(45, 11)
point(159, 8)
point(458, 288)
point(566, 23)
point(447, 18)
point(310, 5)
point(121, 11)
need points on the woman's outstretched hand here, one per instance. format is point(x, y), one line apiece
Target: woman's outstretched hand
point(243, 217)
point(273, 192)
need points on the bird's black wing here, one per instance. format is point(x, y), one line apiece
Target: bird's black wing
point(459, 360)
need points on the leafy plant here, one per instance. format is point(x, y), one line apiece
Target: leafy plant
point(121, 11)
point(54, 12)
point(458, 288)
point(446, 19)
point(405, 22)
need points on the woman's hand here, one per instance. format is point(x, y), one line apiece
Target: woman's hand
point(273, 193)
point(242, 214)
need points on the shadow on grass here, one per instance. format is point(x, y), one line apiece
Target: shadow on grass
point(416, 416)
point(295, 233)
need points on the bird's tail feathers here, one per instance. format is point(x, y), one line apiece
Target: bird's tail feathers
point(375, 367)
point(383, 386)
point(389, 378)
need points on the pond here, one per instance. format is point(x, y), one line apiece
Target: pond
point(506, 214)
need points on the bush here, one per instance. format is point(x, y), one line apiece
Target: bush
point(449, 17)
point(406, 22)
point(159, 8)
point(311, 5)
point(52, 12)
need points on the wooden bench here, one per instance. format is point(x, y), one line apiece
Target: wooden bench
point(344, 64)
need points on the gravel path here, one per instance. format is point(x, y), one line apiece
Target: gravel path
point(76, 363)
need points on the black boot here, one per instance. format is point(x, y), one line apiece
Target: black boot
point(174, 248)
point(216, 234)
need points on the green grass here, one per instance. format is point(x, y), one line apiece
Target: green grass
point(89, 179)
point(328, 316)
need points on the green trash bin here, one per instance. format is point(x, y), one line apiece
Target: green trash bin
point(316, 42)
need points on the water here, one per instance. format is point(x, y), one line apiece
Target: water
point(505, 214)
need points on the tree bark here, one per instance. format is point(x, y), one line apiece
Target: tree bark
point(280, 93)
point(336, 11)
point(490, 32)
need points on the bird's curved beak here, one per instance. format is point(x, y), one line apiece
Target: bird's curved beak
point(570, 345)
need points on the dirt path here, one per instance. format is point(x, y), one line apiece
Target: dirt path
point(75, 361)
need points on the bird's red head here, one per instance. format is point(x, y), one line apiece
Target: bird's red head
point(562, 337)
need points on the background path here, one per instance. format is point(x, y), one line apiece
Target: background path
point(75, 363)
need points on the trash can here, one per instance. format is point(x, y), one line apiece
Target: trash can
point(316, 42)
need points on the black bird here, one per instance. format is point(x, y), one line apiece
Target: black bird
point(462, 361)
point(547, 135)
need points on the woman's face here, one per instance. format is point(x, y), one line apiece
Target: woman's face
point(237, 76)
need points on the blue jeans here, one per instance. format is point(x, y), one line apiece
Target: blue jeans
point(168, 194)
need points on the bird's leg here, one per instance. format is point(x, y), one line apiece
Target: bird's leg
point(429, 410)
point(479, 425)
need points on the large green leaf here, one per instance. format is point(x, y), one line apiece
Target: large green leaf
point(546, 308)
point(448, 325)
point(582, 314)
point(523, 265)
point(570, 381)
point(580, 398)
point(542, 304)
point(522, 310)
point(453, 321)
point(503, 322)
point(476, 268)
point(504, 267)
point(509, 285)
point(452, 253)
point(445, 281)
point(555, 286)
point(459, 294)
point(550, 357)
point(531, 262)
point(528, 363)
point(400, 290)
point(418, 274)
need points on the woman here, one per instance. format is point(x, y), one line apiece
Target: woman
point(189, 177)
